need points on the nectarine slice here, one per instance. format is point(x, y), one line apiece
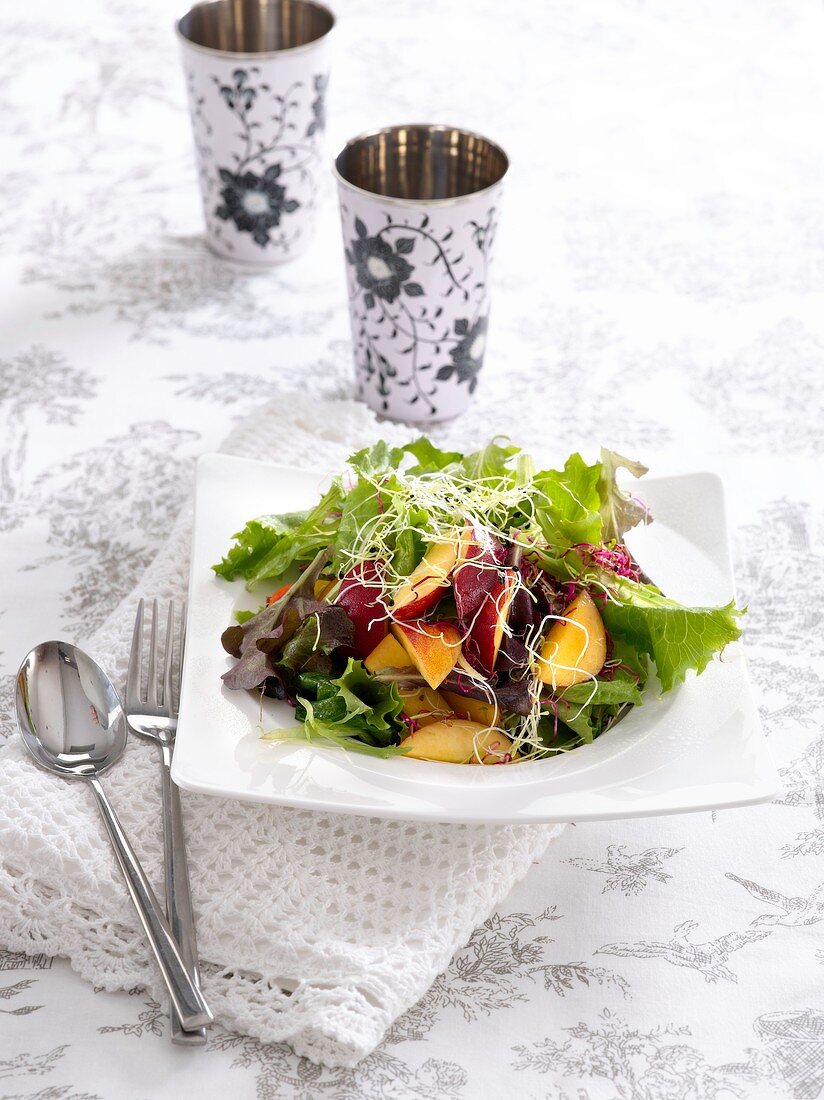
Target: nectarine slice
point(433, 648)
point(478, 710)
point(360, 596)
point(487, 632)
point(424, 704)
point(476, 571)
point(457, 741)
point(427, 582)
point(576, 647)
point(388, 653)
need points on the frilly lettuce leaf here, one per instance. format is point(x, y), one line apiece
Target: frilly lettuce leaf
point(354, 711)
point(677, 638)
point(366, 707)
point(361, 505)
point(316, 731)
point(492, 461)
point(568, 505)
point(268, 545)
point(619, 511)
point(255, 541)
point(588, 707)
point(602, 693)
point(260, 641)
point(429, 458)
point(374, 461)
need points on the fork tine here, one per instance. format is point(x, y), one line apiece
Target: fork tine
point(167, 701)
point(152, 693)
point(135, 661)
point(180, 652)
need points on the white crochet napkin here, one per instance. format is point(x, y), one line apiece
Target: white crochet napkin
point(357, 916)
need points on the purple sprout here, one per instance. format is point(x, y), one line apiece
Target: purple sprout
point(617, 559)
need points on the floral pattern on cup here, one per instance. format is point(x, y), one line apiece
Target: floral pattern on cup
point(468, 354)
point(381, 269)
point(258, 132)
point(318, 123)
point(254, 203)
point(419, 308)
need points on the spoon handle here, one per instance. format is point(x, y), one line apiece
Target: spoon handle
point(183, 989)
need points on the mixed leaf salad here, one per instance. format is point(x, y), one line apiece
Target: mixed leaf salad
point(464, 608)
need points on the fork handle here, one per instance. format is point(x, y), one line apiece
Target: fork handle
point(178, 891)
point(184, 991)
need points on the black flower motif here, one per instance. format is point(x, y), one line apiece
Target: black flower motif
point(468, 353)
point(380, 269)
point(254, 203)
point(240, 95)
point(318, 123)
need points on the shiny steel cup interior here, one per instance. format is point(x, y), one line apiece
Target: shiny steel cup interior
point(421, 163)
point(255, 26)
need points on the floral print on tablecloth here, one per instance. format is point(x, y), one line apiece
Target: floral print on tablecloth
point(660, 296)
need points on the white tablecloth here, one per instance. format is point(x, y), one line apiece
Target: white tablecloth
point(659, 287)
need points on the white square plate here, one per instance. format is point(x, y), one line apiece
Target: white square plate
point(697, 748)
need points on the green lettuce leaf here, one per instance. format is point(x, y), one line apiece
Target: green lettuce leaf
point(677, 638)
point(355, 704)
point(268, 545)
point(492, 461)
point(568, 505)
point(255, 541)
point(586, 708)
point(619, 511)
point(558, 737)
point(377, 460)
point(359, 508)
point(429, 458)
point(325, 733)
point(409, 547)
point(610, 692)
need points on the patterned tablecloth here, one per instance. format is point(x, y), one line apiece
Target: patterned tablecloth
point(659, 287)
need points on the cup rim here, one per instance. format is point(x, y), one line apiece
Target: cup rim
point(264, 55)
point(395, 200)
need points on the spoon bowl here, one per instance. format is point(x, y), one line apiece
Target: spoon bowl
point(69, 711)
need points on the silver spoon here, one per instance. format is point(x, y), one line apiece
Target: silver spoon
point(72, 723)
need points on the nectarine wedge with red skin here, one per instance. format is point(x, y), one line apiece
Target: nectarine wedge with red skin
point(359, 596)
point(487, 631)
point(575, 648)
point(427, 583)
point(476, 571)
point(433, 648)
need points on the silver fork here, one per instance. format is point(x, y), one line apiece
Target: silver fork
point(153, 715)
